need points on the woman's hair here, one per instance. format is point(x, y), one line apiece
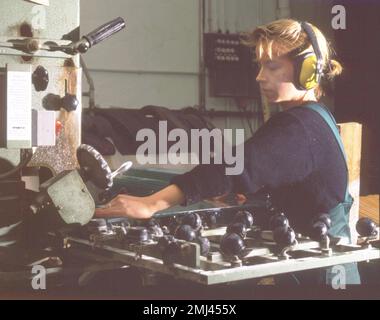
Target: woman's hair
point(284, 36)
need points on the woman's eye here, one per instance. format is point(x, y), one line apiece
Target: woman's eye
point(272, 66)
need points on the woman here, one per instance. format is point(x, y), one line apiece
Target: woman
point(295, 155)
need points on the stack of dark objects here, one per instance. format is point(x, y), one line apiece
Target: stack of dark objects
point(111, 129)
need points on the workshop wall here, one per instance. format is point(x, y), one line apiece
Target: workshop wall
point(156, 59)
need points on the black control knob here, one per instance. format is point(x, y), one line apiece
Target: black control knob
point(238, 228)
point(70, 102)
point(325, 218)
point(366, 227)
point(170, 224)
point(204, 244)
point(232, 244)
point(193, 220)
point(318, 231)
point(210, 219)
point(40, 79)
point(278, 220)
point(284, 236)
point(244, 217)
point(185, 232)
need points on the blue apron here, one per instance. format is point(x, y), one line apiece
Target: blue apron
point(341, 213)
point(339, 226)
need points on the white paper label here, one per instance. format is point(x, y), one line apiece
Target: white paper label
point(43, 128)
point(19, 105)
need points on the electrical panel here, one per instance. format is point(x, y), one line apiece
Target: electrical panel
point(231, 66)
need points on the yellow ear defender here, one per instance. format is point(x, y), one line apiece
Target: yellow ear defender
point(308, 66)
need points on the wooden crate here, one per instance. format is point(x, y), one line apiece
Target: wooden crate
point(351, 134)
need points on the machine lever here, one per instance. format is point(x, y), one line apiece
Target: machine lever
point(99, 34)
point(123, 168)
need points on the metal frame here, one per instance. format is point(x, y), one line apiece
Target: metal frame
point(224, 271)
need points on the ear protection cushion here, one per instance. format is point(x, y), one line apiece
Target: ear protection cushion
point(305, 71)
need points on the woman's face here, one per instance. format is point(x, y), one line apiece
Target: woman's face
point(276, 80)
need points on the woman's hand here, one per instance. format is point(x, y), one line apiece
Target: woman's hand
point(127, 206)
point(141, 207)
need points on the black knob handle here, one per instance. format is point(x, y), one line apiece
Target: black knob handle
point(244, 217)
point(323, 217)
point(193, 220)
point(232, 244)
point(40, 78)
point(238, 228)
point(105, 31)
point(278, 220)
point(284, 236)
point(70, 102)
point(366, 227)
point(318, 231)
point(185, 232)
point(210, 219)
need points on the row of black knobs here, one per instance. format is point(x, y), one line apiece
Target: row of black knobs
point(232, 243)
point(188, 230)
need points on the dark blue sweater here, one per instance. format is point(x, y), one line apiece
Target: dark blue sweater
point(294, 156)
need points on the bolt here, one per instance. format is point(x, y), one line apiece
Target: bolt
point(33, 45)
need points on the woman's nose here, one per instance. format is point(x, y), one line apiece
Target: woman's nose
point(260, 76)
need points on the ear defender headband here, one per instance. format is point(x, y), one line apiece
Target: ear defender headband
point(308, 66)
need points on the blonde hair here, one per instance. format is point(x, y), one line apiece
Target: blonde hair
point(284, 36)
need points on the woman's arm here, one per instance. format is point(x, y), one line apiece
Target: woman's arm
point(142, 207)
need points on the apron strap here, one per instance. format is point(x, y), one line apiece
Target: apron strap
point(329, 119)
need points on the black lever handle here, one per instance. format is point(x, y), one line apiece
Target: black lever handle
point(105, 31)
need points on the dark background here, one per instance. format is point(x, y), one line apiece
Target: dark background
point(357, 90)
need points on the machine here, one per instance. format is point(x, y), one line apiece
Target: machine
point(44, 171)
point(50, 183)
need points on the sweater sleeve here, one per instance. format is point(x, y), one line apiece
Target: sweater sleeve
point(278, 154)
